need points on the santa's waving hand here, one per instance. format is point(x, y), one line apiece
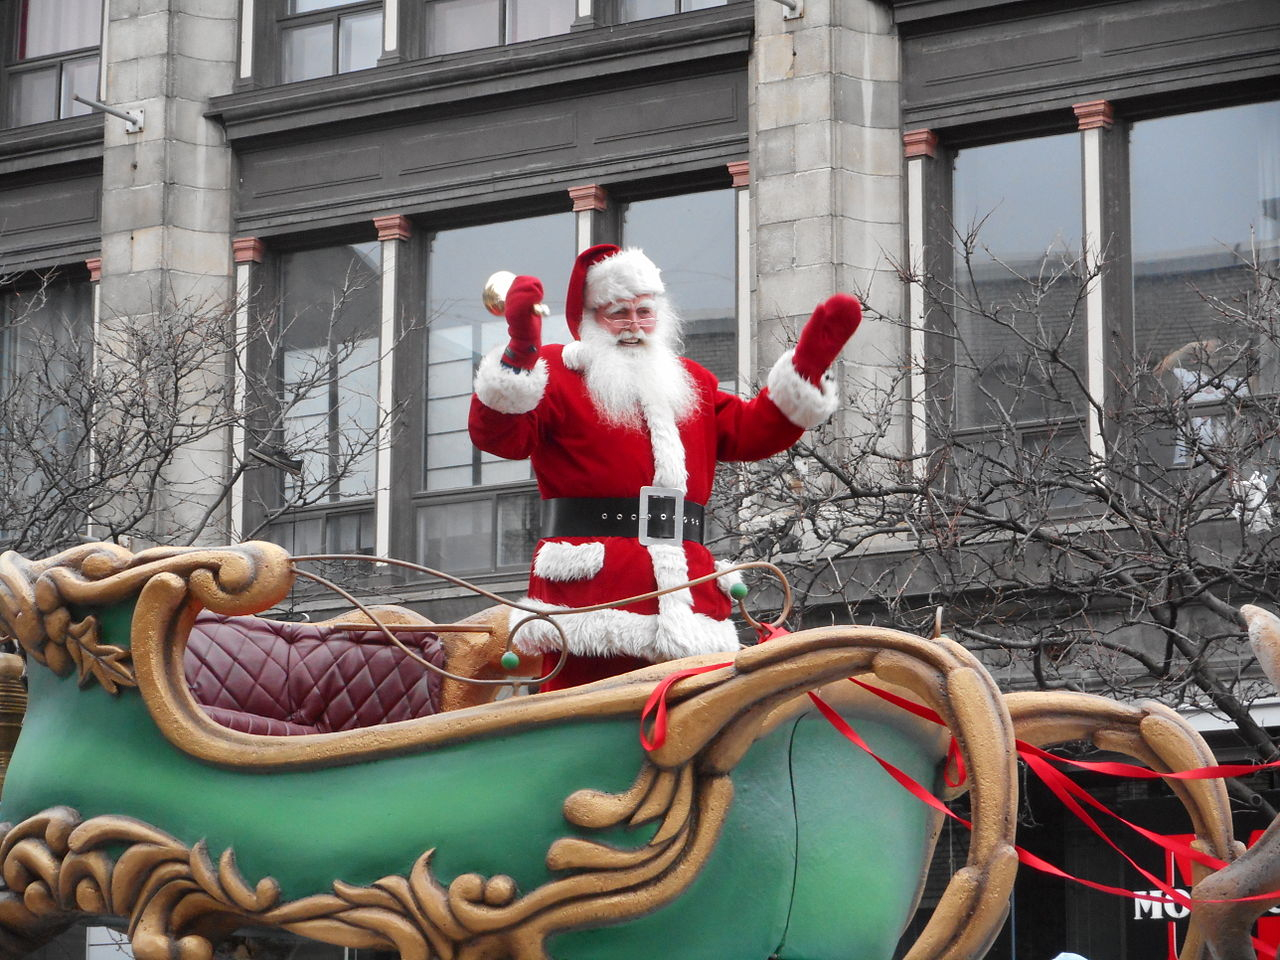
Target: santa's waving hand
point(624, 435)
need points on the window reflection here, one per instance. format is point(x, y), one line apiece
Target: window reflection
point(308, 52)
point(534, 19)
point(457, 25)
point(44, 79)
point(314, 43)
point(1017, 228)
point(57, 26)
point(329, 376)
point(518, 523)
point(359, 41)
point(692, 239)
point(629, 10)
point(460, 331)
point(456, 537)
point(45, 340)
point(1205, 205)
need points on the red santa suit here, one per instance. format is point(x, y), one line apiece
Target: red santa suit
point(548, 415)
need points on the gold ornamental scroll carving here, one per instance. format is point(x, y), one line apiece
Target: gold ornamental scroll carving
point(36, 597)
point(54, 864)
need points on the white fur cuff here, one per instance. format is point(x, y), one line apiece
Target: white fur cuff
point(509, 391)
point(730, 580)
point(799, 400)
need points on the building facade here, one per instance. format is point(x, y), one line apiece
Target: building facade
point(344, 176)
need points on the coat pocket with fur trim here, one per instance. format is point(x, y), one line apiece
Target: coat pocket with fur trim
point(567, 562)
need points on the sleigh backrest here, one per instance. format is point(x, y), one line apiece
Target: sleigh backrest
point(277, 678)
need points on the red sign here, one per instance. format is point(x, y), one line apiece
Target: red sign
point(1177, 873)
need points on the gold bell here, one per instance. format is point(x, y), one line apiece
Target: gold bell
point(494, 295)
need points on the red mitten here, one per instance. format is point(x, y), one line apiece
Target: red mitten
point(524, 325)
point(826, 333)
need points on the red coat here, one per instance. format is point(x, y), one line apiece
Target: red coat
point(548, 416)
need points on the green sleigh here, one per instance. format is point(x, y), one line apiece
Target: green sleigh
point(527, 828)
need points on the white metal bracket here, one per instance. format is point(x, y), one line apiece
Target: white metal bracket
point(133, 119)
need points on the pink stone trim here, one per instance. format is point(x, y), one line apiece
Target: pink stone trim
point(1094, 114)
point(919, 143)
point(94, 264)
point(740, 170)
point(248, 250)
point(590, 196)
point(393, 227)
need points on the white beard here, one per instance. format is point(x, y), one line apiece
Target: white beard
point(630, 385)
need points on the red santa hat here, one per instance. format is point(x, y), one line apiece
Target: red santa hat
point(606, 273)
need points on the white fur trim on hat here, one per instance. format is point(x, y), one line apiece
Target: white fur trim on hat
point(621, 277)
point(572, 356)
point(563, 562)
point(799, 400)
point(614, 633)
point(509, 391)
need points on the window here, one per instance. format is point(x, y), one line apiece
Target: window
point(491, 529)
point(319, 38)
point(1020, 331)
point(1182, 318)
point(328, 375)
point(629, 10)
point(692, 239)
point(53, 57)
point(460, 536)
point(45, 353)
point(456, 25)
point(1196, 318)
point(45, 339)
point(309, 531)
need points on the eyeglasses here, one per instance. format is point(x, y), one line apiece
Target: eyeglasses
point(617, 317)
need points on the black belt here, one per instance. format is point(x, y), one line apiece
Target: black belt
point(621, 517)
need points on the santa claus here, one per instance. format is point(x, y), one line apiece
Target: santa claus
point(624, 435)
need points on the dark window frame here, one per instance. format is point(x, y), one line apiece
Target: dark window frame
point(281, 21)
point(13, 67)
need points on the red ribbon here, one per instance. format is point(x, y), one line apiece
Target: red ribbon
point(1070, 793)
point(657, 704)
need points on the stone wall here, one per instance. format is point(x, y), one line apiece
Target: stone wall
point(166, 195)
point(827, 180)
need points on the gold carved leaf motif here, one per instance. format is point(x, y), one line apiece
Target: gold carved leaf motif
point(104, 662)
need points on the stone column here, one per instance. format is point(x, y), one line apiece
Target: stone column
point(827, 180)
point(166, 200)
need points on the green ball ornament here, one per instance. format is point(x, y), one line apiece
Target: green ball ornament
point(738, 591)
point(510, 660)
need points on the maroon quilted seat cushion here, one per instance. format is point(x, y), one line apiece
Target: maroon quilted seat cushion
point(281, 679)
